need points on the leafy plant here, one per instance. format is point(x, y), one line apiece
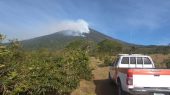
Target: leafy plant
point(42, 72)
point(110, 47)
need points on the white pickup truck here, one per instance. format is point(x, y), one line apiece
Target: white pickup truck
point(136, 74)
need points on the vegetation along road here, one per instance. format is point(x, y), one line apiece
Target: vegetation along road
point(100, 85)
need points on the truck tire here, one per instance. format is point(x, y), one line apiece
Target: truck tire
point(119, 88)
point(111, 81)
point(110, 77)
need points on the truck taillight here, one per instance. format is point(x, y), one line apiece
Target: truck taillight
point(129, 79)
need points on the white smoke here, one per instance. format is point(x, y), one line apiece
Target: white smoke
point(74, 28)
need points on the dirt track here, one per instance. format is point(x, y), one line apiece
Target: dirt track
point(102, 84)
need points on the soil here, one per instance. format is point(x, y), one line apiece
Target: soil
point(103, 85)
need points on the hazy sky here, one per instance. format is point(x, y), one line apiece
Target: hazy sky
point(135, 21)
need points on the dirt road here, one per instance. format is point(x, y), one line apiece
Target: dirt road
point(102, 84)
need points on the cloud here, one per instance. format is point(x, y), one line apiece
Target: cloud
point(71, 27)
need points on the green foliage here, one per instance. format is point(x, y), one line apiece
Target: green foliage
point(80, 61)
point(42, 72)
point(108, 60)
point(147, 49)
point(84, 45)
point(167, 62)
point(103, 48)
point(79, 44)
point(109, 46)
point(4, 52)
point(2, 37)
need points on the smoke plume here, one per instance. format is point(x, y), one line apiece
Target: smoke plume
point(74, 28)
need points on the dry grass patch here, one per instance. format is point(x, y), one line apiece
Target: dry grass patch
point(86, 88)
point(159, 60)
point(99, 85)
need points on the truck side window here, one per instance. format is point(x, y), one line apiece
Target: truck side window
point(125, 60)
point(147, 60)
point(139, 60)
point(132, 60)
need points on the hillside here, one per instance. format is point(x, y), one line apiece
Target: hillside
point(59, 40)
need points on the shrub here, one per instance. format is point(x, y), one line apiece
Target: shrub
point(108, 60)
point(110, 47)
point(167, 62)
point(42, 73)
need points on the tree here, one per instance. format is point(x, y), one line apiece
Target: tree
point(84, 45)
point(109, 46)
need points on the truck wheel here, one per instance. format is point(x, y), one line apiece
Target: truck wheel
point(112, 82)
point(110, 77)
point(119, 88)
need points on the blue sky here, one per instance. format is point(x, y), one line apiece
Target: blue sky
point(136, 21)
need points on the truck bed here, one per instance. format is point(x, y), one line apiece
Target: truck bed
point(155, 78)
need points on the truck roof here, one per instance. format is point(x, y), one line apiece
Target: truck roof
point(133, 55)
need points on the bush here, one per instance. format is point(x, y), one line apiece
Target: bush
point(42, 73)
point(80, 62)
point(167, 62)
point(109, 47)
point(108, 60)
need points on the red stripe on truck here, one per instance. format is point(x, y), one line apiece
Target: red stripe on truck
point(144, 71)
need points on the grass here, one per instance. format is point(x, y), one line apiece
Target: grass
point(85, 88)
point(159, 60)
